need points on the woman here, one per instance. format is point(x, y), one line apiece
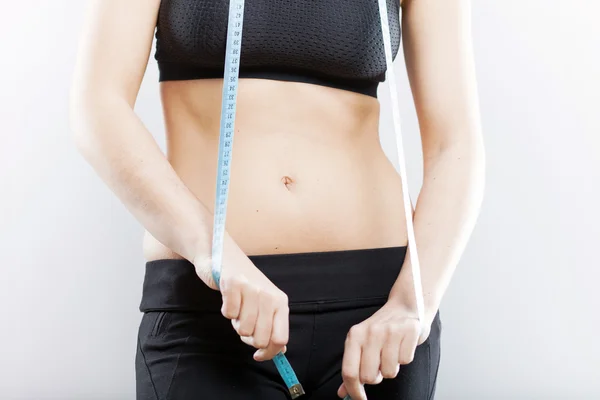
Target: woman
point(315, 252)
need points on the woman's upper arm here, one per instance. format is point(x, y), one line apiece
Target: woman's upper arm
point(114, 48)
point(439, 60)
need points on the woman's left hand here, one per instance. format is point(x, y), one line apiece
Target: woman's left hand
point(376, 347)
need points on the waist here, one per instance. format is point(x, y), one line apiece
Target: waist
point(307, 174)
point(312, 281)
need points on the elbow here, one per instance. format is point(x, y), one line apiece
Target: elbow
point(467, 160)
point(90, 111)
point(80, 114)
point(461, 158)
point(465, 146)
point(472, 150)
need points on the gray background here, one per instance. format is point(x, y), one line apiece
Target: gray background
point(520, 319)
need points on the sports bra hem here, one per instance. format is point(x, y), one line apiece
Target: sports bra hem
point(170, 71)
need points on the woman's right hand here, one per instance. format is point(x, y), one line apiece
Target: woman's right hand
point(258, 310)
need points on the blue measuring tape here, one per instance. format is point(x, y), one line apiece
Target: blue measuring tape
point(228, 106)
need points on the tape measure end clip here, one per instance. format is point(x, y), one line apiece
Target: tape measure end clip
point(296, 391)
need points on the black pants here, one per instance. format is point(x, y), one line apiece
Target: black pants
point(188, 351)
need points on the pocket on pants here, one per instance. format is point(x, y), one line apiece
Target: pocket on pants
point(157, 355)
point(161, 323)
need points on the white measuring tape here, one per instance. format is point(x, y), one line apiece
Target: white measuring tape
point(228, 108)
point(412, 247)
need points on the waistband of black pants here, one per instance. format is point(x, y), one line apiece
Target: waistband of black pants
point(346, 278)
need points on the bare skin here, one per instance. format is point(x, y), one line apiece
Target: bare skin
point(308, 173)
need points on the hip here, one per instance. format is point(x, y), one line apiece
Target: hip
point(186, 347)
point(313, 282)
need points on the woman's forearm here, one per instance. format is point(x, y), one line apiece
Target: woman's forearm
point(444, 217)
point(124, 154)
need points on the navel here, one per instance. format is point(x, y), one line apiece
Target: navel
point(288, 182)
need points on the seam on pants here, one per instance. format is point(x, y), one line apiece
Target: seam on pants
point(147, 369)
point(312, 342)
point(432, 385)
point(175, 369)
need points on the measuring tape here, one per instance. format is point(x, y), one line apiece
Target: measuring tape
point(228, 108)
point(391, 79)
point(228, 105)
point(412, 246)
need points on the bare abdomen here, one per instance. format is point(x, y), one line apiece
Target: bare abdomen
point(308, 172)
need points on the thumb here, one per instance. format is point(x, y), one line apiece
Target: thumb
point(342, 392)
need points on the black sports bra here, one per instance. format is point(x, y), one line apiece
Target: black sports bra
point(335, 43)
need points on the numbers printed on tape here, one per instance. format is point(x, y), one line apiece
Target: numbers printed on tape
point(228, 108)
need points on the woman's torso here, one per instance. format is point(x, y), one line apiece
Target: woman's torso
point(308, 171)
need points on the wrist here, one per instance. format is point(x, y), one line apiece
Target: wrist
point(409, 309)
point(403, 296)
point(199, 238)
